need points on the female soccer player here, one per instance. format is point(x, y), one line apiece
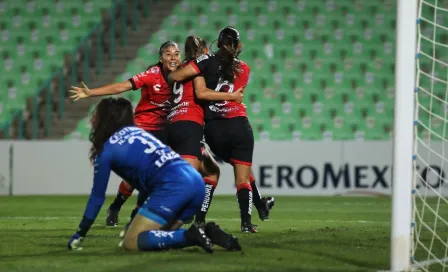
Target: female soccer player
point(175, 189)
point(150, 113)
point(227, 129)
point(186, 120)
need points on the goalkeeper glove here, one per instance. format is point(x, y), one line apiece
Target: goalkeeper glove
point(75, 242)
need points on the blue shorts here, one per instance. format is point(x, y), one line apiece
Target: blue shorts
point(178, 195)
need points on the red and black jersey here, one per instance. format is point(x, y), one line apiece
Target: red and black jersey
point(209, 67)
point(154, 104)
point(184, 105)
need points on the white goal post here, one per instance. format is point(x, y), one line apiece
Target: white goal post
point(403, 139)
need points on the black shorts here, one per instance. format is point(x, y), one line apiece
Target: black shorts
point(232, 140)
point(185, 138)
point(159, 134)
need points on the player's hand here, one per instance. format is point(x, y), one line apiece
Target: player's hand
point(79, 92)
point(75, 242)
point(238, 95)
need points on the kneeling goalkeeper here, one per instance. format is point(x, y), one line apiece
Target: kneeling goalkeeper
point(176, 190)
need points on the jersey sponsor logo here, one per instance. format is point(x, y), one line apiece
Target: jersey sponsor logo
point(176, 112)
point(250, 203)
point(157, 87)
point(137, 77)
point(201, 58)
point(221, 109)
point(181, 108)
point(154, 69)
point(165, 104)
point(206, 203)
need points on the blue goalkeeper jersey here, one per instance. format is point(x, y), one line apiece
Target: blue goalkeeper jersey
point(136, 156)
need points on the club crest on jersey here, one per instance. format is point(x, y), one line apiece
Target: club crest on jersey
point(154, 69)
point(157, 87)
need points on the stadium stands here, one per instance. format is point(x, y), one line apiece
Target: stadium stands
point(35, 35)
point(320, 69)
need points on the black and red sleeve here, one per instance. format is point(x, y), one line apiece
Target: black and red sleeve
point(201, 64)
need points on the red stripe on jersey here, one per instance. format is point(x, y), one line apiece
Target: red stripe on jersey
point(153, 107)
point(195, 67)
point(185, 106)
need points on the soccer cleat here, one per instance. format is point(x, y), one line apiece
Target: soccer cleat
point(196, 236)
point(112, 218)
point(266, 206)
point(221, 238)
point(248, 228)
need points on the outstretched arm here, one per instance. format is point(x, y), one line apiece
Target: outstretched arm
point(110, 89)
point(203, 93)
point(96, 200)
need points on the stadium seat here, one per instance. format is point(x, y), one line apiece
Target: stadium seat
point(332, 79)
point(38, 35)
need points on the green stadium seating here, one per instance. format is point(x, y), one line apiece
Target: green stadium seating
point(35, 35)
point(330, 75)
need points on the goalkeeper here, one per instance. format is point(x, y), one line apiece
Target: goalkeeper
point(176, 190)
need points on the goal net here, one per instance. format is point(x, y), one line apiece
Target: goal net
point(429, 227)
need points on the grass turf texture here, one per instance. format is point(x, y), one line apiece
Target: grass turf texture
point(303, 234)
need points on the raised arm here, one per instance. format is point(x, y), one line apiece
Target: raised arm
point(110, 89)
point(203, 93)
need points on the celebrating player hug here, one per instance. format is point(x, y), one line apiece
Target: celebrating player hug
point(175, 183)
point(186, 118)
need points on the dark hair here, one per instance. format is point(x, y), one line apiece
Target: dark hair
point(162, 48)
point(110, 115)
point(165, 45)
point(194, 47)
point(228, 41)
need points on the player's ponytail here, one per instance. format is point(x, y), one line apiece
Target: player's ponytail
point(110, 115)
point(228, 44)
point(230, 66)
point(194, 47)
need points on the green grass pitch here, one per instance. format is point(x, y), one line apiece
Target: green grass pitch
point(303, 234)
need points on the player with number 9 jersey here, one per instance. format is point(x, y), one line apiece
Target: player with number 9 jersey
point(186, 117)
point(227, 130)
